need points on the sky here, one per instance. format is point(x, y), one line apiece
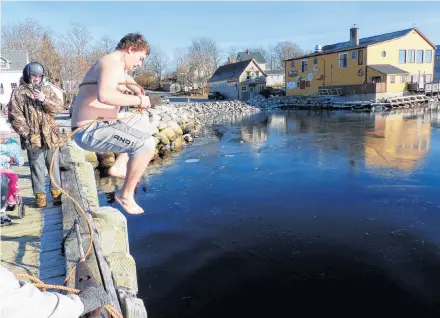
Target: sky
point(172, 25)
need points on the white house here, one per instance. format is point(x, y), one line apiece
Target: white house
point(275, 79)
point(240, 80)
point(12, 63)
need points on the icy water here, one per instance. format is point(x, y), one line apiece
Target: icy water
point(295, 214)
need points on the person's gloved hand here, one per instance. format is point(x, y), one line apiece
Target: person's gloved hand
point(93, 297)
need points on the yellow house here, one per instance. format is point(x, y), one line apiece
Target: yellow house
point(378, 66)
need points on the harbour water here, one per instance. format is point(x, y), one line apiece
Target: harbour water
point(295, 213)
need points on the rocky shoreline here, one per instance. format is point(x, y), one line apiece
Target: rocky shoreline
point(176, 125)
point(322, 102)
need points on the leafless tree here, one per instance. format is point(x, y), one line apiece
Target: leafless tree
point(231, 55)
point(25, 35)
point(158, 62)
point(286, 50)
point(79, 38)
point(203, 59)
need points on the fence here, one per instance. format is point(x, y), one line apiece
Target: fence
point(369, 88)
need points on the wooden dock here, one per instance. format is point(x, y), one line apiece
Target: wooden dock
point(32, 245)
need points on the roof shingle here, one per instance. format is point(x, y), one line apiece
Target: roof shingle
point(257, 56)
point(229, 71)
point(18, 58)
point(387, 69)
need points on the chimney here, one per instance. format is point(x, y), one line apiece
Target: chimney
point(318, 48)
point(247, 51)
point(354, 35)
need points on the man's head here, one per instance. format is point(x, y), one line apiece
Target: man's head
point(33, 73)
point(136, 49)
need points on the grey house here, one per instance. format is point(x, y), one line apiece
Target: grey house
point(257, 56)
point(241, 80)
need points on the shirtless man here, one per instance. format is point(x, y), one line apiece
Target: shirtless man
point(101, 96)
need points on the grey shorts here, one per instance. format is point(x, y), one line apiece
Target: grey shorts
point(120, 136)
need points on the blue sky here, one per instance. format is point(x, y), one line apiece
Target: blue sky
point(172, 25)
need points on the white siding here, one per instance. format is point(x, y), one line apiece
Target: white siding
point(275, 80)
point(6, 78)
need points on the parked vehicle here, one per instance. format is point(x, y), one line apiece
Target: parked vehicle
point(215, 95)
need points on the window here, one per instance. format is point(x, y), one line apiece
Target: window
point(2, 64)
point(244, 88)
point(304, 64)
point(308, 84)
point(292, 64)
point(248, 75)
point(384, 53)
point(13, 85)
point(392, 79)
point(257, 74)
point(315, 60)
point(403, 79)
point(343, 60)
point(428, 78)
point(2, 91)
point(402, 56)
point(360, 57)
point(353, 55)
point(419, 56)
point(428, 56)
point(411, 56)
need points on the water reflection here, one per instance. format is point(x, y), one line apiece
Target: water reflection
point(397, 142)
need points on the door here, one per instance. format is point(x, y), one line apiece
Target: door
point(251, 91)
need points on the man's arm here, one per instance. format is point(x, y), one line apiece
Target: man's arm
point(110, 75)
point(16, 115)
point(15, 293)
point(52, 104)
point(135, 89)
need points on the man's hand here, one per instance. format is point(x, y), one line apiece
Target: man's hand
point(39, 96)
point(145, 102)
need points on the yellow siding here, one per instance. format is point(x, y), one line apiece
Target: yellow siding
point(333, 74)
point(397, 86)
point(411, 41)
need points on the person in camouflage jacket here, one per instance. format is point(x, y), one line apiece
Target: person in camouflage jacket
point(31, 112)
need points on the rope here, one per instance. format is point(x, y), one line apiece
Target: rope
point(40, 284)
point(110, 309)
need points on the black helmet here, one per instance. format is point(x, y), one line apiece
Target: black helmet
point(33, 68)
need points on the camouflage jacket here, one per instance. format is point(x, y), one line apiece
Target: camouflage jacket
point(33, 120)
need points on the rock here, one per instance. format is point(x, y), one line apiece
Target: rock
point(106, 159)
point(174, 126)
point(92, 158)
point(163, 137)
point(162, 125)
point(169, 133)
point(187, 138)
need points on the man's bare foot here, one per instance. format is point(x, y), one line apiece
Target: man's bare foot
point(128, 204)
point(117, 172)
